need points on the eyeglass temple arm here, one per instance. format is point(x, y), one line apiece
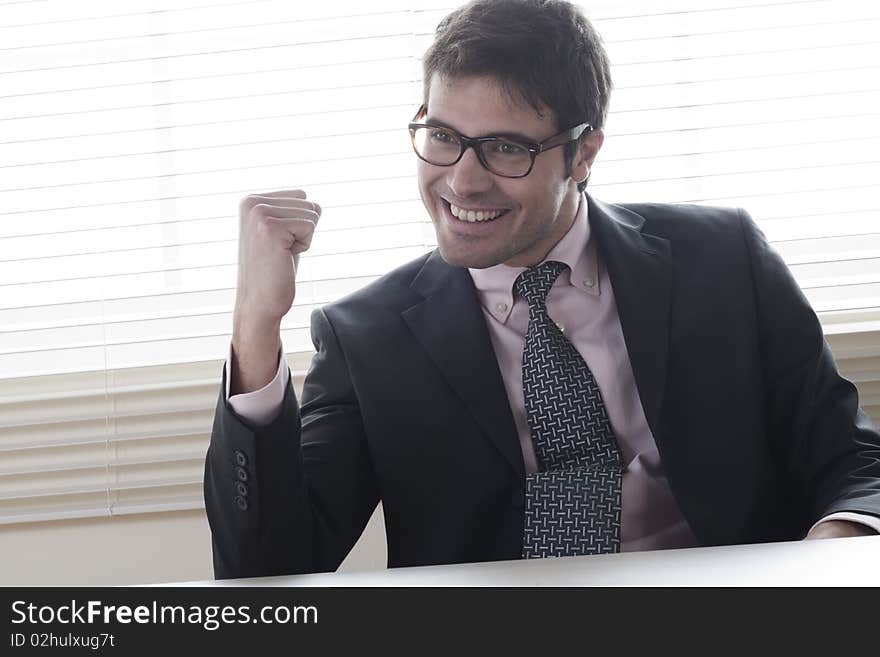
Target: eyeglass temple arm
point(420, 114)
point(567, 136)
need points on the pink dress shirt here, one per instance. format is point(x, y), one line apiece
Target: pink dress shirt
point(582, 303)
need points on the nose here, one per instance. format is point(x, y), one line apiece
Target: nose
point(468, 177)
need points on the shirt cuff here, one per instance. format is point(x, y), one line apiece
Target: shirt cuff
point(863, 519)
point(261, 406)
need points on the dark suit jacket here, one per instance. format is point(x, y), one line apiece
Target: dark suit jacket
point(404, 402)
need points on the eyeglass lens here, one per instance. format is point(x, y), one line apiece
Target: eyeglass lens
point(442, 147)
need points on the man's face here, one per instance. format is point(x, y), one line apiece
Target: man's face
point(535, 211)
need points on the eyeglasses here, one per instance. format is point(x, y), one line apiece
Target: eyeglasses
point(505, 157)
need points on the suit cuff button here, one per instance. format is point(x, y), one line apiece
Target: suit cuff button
point(239, 457)
point(241, 503)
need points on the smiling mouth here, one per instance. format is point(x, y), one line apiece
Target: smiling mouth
point(474, 216)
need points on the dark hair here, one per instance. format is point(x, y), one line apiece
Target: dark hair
point(544, 51)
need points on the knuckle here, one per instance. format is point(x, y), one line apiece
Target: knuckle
point(259, 212)
point(246, 203)
point(262, 222)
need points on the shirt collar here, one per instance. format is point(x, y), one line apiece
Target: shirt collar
point(576, 249)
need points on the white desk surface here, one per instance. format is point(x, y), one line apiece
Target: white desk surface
point(830, 562)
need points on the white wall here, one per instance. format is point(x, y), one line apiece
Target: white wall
point(134, 549)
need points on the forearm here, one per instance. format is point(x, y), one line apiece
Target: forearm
point(255, 348)
point(310, 481)
point(256, 496)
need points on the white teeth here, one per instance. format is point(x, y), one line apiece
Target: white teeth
point(472, 216)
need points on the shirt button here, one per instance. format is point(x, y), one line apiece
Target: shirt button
point(501, 307)
point(589, 282)
point(560, 327)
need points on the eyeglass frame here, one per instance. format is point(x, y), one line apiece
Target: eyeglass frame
point(534, 148)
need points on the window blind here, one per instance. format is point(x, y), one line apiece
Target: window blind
point(130, 130)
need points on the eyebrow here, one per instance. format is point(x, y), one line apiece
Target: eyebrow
point(516, 136)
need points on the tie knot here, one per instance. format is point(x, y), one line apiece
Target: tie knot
point(534, 283)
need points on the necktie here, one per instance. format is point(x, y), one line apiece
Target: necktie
point(573, 501)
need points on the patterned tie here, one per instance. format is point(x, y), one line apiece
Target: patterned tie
point(573, 501)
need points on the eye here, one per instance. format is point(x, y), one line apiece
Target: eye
point(507, 148)
point(441, 136)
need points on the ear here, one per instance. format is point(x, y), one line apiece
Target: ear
point(586, 154)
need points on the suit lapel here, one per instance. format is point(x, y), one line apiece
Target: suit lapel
point(640, 270)
point(449, 324)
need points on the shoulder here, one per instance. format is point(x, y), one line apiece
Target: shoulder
point(682, 219)
point(694, 229)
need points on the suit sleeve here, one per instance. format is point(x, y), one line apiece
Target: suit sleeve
point(308, 482)
point(825, 443)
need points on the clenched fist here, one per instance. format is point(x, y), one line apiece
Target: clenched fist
point(274, 228)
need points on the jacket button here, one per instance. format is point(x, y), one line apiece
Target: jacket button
point(242, 474)
point(241, 488)
point(239, 457)
point(241, 503)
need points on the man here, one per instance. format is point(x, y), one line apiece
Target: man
point(562, 376)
